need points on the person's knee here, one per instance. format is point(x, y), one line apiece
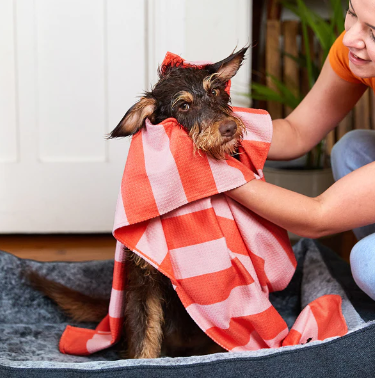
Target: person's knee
point(362, 263)
point(354, 150)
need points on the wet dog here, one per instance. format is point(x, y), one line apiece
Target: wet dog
point(156, 323)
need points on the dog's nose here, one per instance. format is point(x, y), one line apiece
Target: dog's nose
point(228, 128)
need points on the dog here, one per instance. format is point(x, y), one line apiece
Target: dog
point(156, 323)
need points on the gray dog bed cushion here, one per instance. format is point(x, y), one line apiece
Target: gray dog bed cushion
point(31, 326)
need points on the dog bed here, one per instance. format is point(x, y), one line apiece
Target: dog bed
point(31, 326)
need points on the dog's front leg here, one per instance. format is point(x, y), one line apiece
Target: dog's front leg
point(144, 311)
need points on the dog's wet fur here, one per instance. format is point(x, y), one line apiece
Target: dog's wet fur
point(197, 99)
point(156, 323)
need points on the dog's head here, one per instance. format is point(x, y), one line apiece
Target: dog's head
point(196, 97)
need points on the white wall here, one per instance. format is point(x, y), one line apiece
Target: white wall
point(215, 31)
point(201, 30)
point(69, 70)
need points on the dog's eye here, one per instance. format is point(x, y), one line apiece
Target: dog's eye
point(215, 92)
point(185, 106)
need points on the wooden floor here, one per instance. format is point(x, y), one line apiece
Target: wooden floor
point(60, 247)
point(102, 246)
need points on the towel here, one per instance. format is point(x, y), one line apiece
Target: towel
point(222, 259)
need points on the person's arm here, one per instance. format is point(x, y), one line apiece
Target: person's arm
point(321, 110)
point(349, 203)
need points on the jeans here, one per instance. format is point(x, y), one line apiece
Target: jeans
point(354, 150)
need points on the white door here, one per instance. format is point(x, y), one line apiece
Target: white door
point(69, 69)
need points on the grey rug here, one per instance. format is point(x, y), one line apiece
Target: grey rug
point(31, 325)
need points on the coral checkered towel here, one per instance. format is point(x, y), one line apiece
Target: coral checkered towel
point(222, 259)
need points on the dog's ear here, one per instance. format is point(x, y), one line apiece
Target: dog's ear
point(228, 67)
point(134, 118)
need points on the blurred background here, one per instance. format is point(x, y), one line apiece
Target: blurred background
point(70, 69)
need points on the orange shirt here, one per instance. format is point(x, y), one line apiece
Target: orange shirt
point(339, 59)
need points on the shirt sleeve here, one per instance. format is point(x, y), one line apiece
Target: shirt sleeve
point(339, 60)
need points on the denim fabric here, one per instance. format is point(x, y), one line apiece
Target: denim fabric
point(362, 262)
point(354, 150)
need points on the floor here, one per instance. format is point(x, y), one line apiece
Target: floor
point(60, 247)
point(102, 246)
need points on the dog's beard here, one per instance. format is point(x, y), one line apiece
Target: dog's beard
point(211, 142)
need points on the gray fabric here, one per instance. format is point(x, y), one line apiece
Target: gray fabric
point(288, 301)
point(317, 281)
point(21, 304)
point(31, 325)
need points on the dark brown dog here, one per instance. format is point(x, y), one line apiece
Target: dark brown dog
point(156, 323)
point(197, 99)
